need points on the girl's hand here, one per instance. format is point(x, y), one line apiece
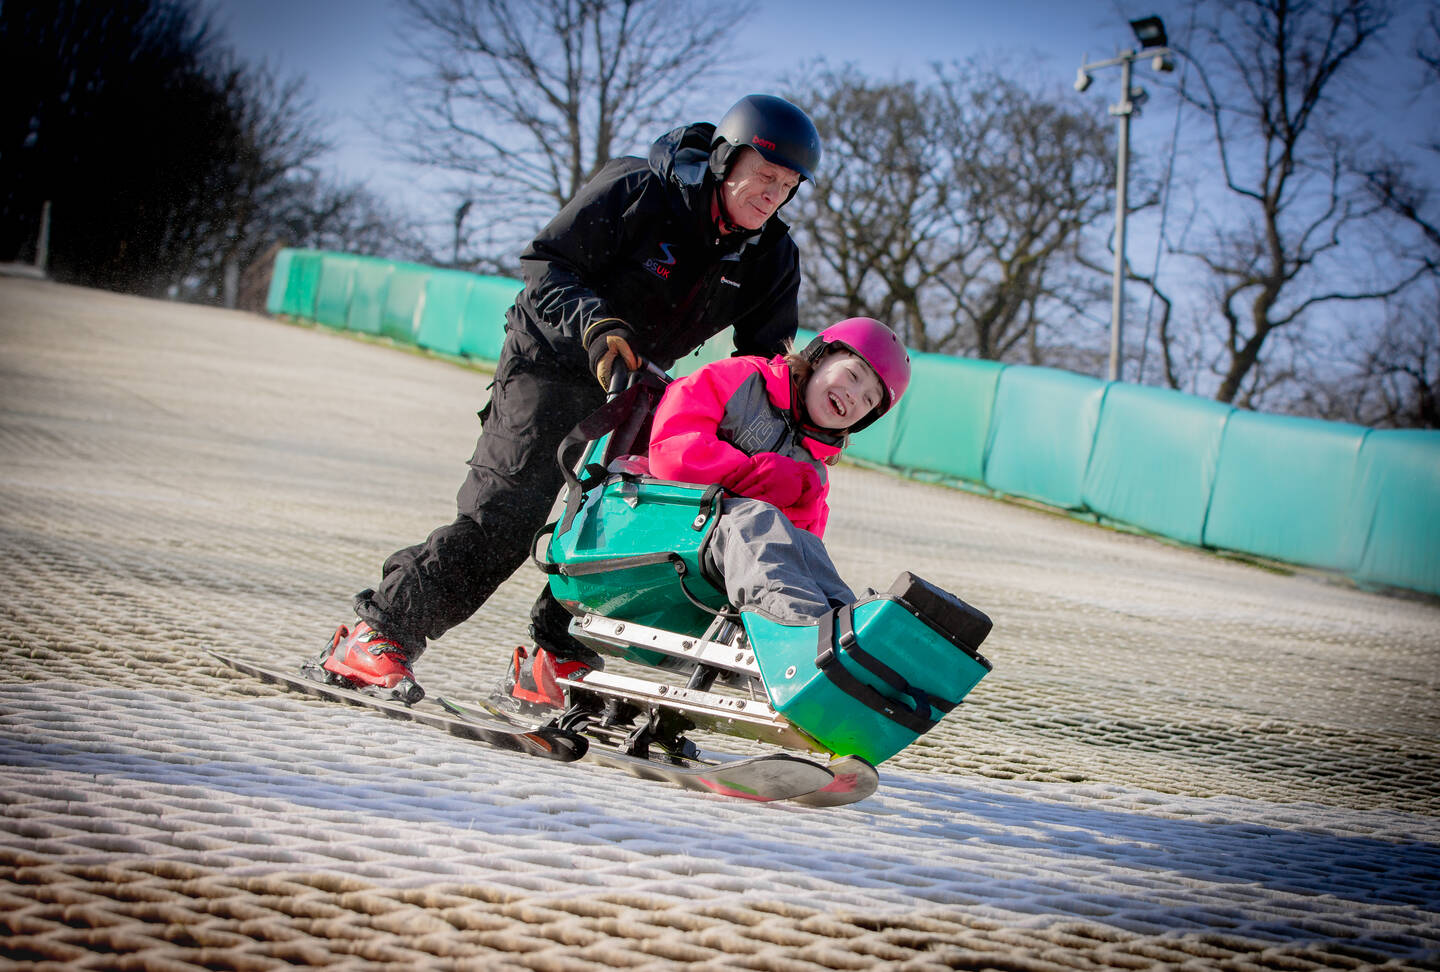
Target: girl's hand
point(776, 479)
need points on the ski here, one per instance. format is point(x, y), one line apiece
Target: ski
point(854, 780)
point(544, 741)
point(776, 776)
point(767, 778)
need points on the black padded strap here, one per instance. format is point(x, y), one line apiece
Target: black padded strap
point(627, 415)
point(535, 558)
point(915, 719)
point(845, 629)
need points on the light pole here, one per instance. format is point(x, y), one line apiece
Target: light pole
point(1150, 32)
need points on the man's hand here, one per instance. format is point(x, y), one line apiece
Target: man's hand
point(610, 340)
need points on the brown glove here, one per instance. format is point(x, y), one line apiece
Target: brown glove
point(607, 341)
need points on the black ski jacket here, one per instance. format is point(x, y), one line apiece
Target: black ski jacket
point(638, 244)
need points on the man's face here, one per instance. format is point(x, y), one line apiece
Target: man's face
point(841, 391)
point(755, 188)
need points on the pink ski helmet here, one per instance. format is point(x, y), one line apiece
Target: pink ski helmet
point(879, 347)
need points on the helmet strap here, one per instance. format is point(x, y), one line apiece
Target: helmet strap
point(801, 415)
point(722, 217)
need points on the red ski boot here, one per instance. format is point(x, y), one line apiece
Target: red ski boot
point(530, 687)
point(363, 659)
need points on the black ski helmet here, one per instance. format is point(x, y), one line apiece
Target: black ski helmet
point(772, 126)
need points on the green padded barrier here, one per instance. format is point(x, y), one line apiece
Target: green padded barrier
point(874, 442)
point(482, 328)
point(279, 281)
point(1292, 489)
point(1284, 488)
point(332, 295)
point(944, 419)
point(446, 292)
point(1041, 429)
point(302, 285)
point(367, 297)
point(1153, 461)
point(1397, 509)
point(719, 346)
point(400, 313)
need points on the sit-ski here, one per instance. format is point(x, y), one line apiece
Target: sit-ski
point(626, 557)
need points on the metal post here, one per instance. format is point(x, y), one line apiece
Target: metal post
point(1150, 31)
point(1122, 166)
point(42, 245)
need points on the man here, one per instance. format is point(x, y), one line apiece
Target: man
point(648, 261)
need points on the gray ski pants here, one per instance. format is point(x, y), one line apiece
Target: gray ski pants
point(772, 566)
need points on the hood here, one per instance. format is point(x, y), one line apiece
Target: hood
point(682, 158)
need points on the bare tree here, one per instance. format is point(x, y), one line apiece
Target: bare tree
point(271, 142)
point(1399, 377)
point(1427, 52)
point(522, 101)
point(110, 114)
point(950, 209)
point(873, 221)
point(167, 159)
point(1394, 380)
point(1271, 79)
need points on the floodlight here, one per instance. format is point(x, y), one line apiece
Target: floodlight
point(1150, 32)
point(1082, 80)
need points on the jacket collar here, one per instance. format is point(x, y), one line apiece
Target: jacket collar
point(822, 443)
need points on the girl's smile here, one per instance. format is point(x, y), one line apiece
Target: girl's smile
point(841, 391)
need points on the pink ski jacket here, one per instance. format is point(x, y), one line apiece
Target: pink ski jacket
point(729, 423)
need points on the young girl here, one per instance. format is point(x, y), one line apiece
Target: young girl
point(767, 430)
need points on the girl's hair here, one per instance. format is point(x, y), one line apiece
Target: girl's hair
point(801, 368)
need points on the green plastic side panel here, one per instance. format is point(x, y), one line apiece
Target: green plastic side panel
point(944, 419)
point(1040, 434)
point(279, 281)
point(446, 292)
point(1154, 458)
point(337, 282)
point(367, 298)
point(482, 328)
point(1284, 488)
point(626, 519)
point(1396, 512)
point(847, 727)
point(400, 314)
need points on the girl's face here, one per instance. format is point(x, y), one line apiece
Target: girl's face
point(841, 391)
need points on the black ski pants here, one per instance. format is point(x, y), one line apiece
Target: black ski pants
point(511, 485)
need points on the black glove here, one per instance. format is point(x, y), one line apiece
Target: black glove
point(606, 340)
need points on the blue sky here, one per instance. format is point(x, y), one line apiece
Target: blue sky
point(343, 49)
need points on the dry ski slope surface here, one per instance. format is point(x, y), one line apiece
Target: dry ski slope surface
point(1180, 760)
